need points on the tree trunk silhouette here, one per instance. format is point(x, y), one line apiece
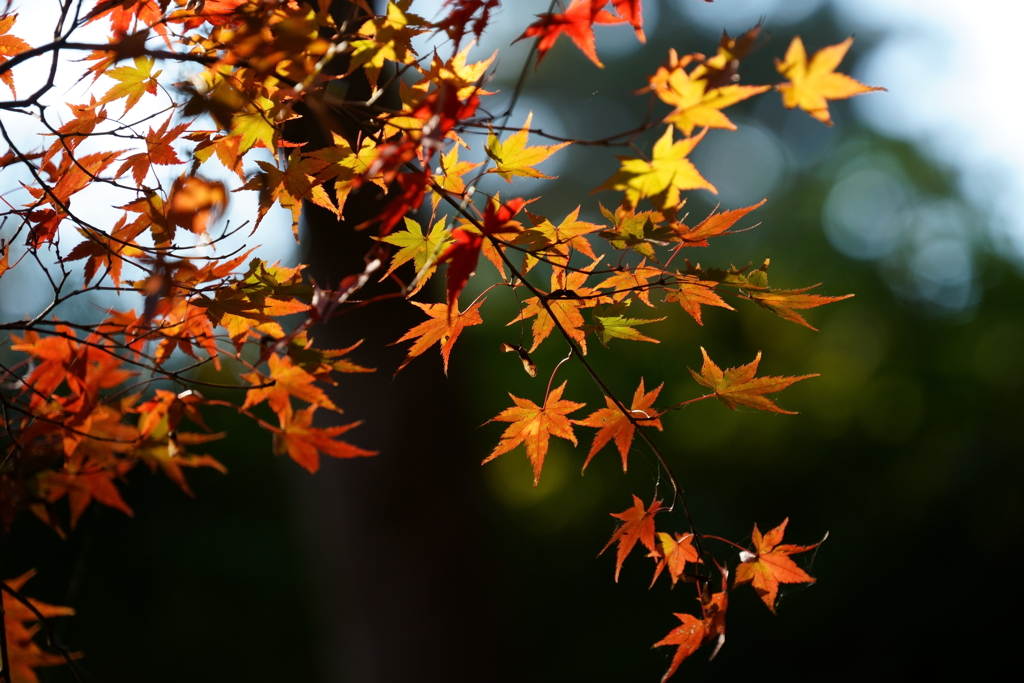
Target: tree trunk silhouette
point(400, 580)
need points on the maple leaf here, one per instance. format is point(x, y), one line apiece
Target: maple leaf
point(254, 126)
point(349, 167)
point(513, 158)
point(694, 632)
point(9, 47)
point(662, 178)
point(637, 525)
point(611, 423)
point(413, 187)
point(304, 443)
point(783, 302)
point(566, 308)
point(770, 564)
point(443, 327)
point(455, 73)
point(5, 264)
point(464, 252)
point(421, 249)
point(557, 240)
point(387, 38)
point(158, 151)
point(194, 202)
point(609, 322)
point(674, 553)
point(632, 281)
point(450, 176)
point(714, 225)
point(83, 488)
point(739, 386)
point(631, 11)
point(688, 638)
point(171, 459)
point(290, 186)
point(21, 624)
point(692, 293)
point(534, 425)
point(812, 84)
point(458, 20)
point(696, 103)
point(576, 22)
point(640, 232)
point(102, 251)
point(287, 380)
point(133, 83)
point(84, 119)
point(77, 176)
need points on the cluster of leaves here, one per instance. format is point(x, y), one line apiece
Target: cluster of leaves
point(91, 399)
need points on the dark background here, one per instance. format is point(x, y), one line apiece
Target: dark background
point(422, 565)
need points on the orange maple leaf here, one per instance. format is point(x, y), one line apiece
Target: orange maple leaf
point(194, 202)
point(9, 47)
point(442, 327)
point(714, 225)
point(770, 564)
point(637, 525)
point(695, 632)
point(739, 387)
point(158, 151)
point(692, 293)
point(286, 379)
point(632, 281)
point(673, 553)
point(783, 302)
point(815, 82)
point(556, 240)
point(21, 624)
point(577, 22)
point(533, 425)
point(565, 308)
point(612, 424)
point(83, 488)
point(304, 443)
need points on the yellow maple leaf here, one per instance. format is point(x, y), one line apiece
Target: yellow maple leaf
point(133, 82)
point(663, 177)
point(696, 105)
point(512, 157)
point(387, 38)
point(815, 82)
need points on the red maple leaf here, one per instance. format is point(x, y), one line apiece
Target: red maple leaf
point(463, 255)
point(577, 22)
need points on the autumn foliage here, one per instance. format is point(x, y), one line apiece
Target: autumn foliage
point(96, 394)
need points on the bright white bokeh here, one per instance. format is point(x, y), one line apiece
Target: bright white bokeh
point(954, 88)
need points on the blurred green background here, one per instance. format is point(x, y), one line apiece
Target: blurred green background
point(906, 449)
